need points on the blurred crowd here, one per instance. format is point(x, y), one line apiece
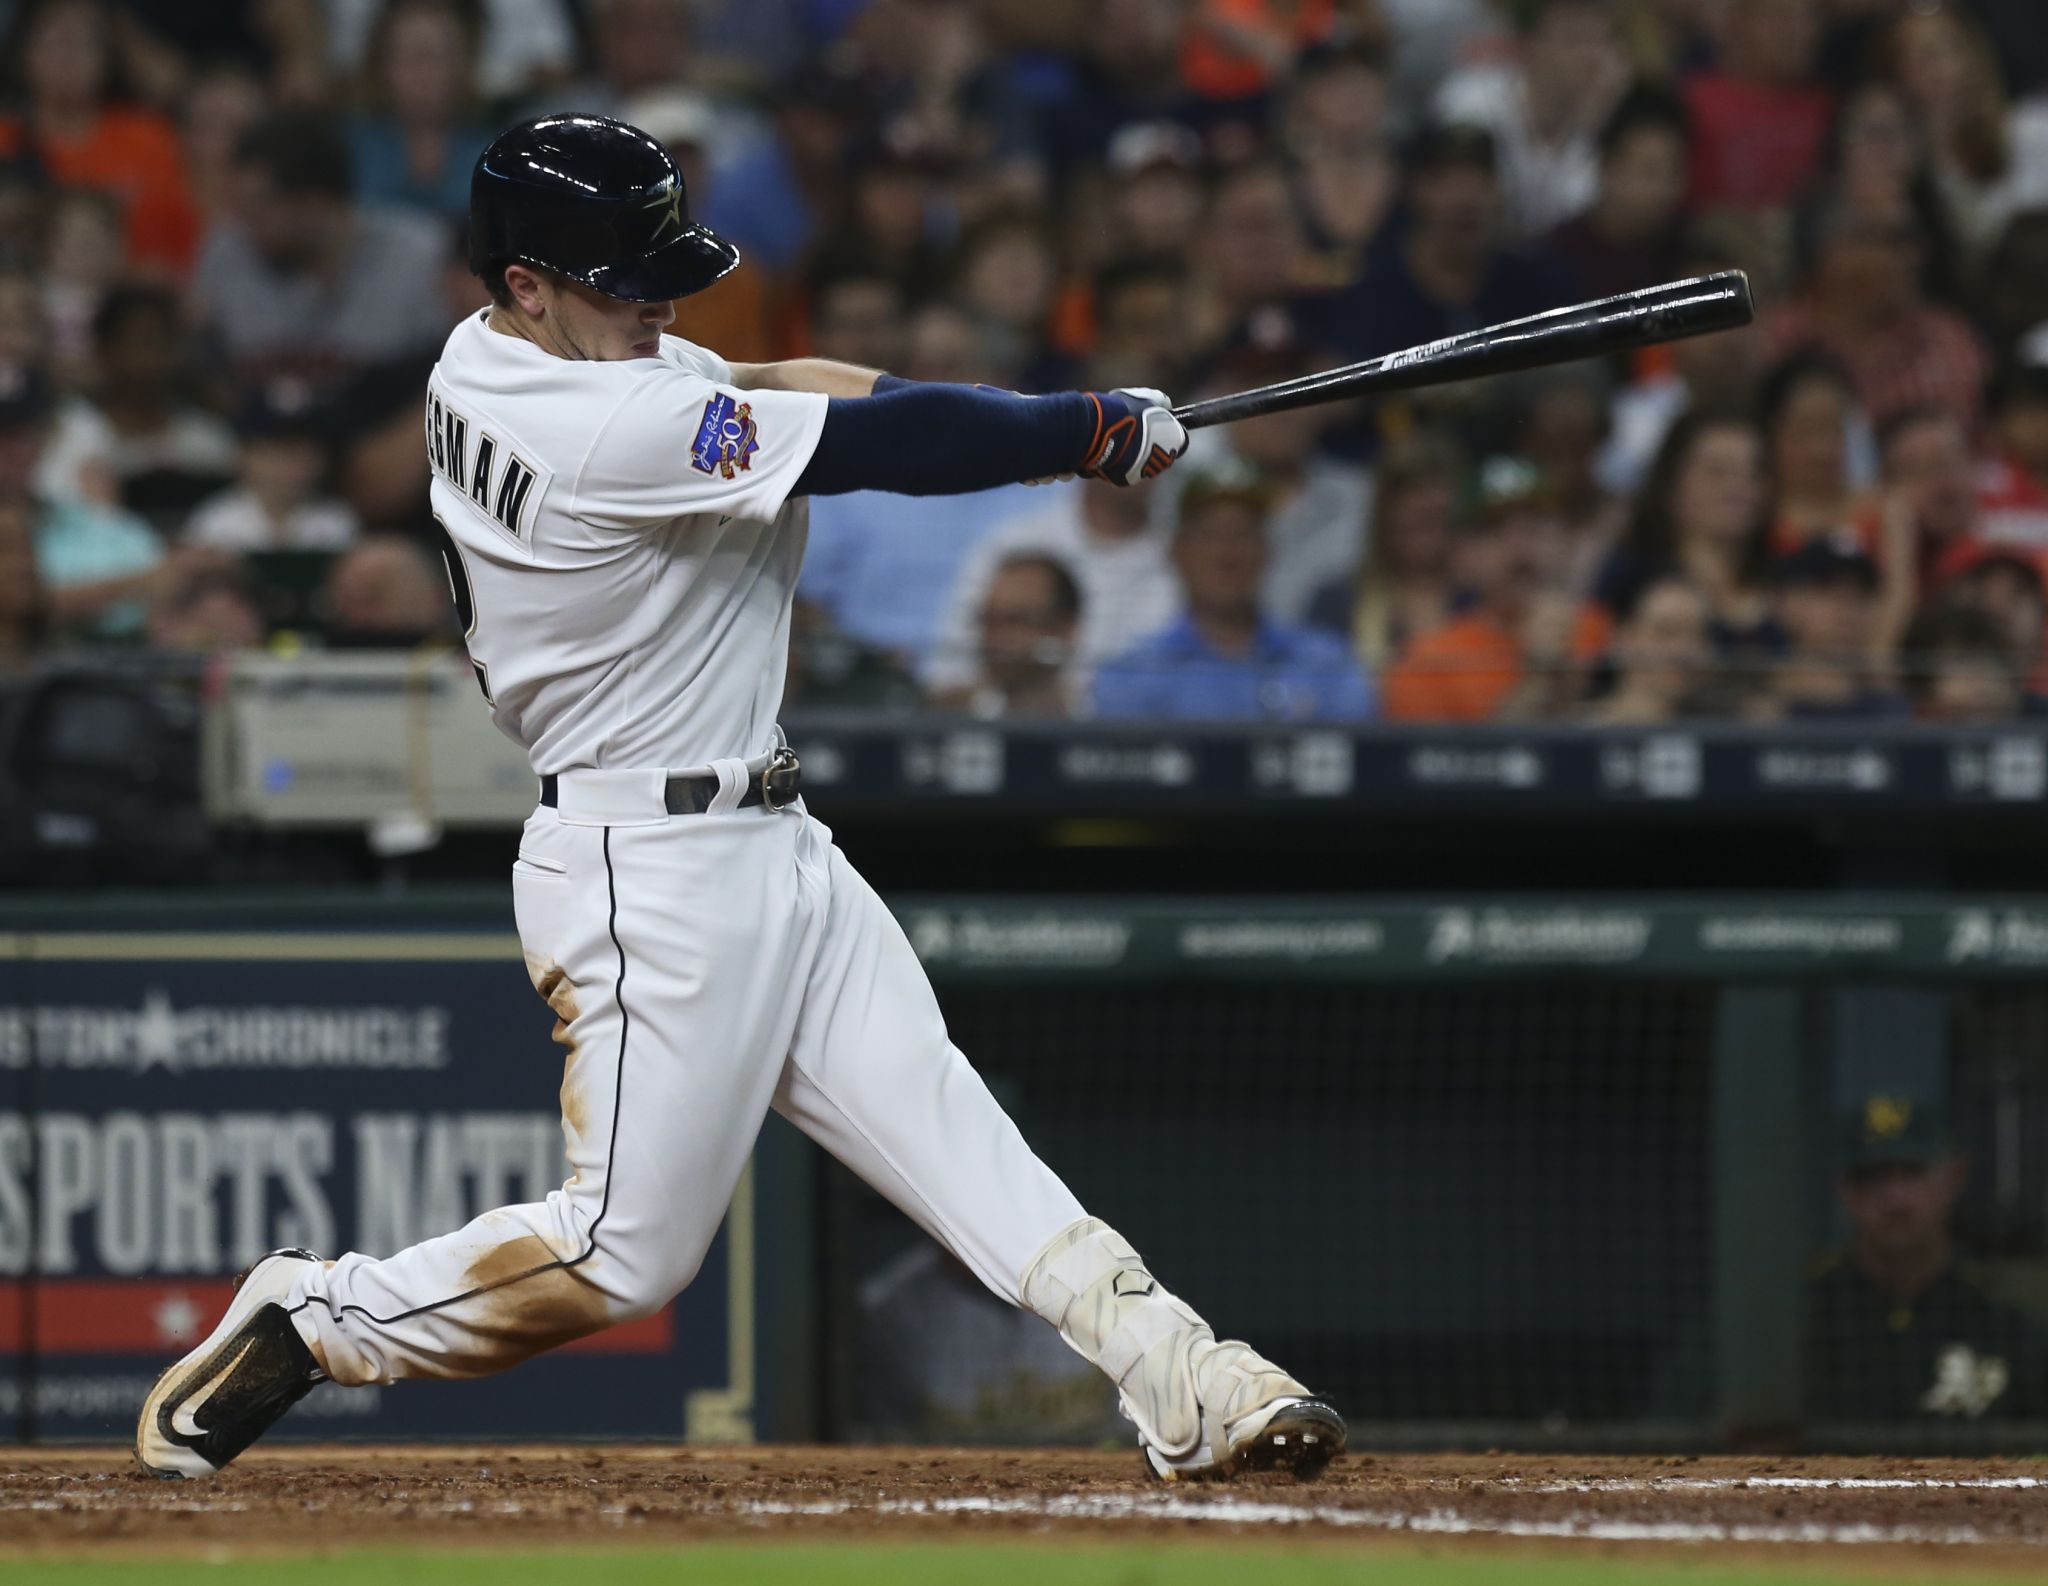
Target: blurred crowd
point(231, 243)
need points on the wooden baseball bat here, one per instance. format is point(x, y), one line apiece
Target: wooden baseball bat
point(1694, 307)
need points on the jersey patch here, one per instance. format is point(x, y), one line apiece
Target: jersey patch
point(727, 439)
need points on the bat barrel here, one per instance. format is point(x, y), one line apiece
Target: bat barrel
point(1672, 312)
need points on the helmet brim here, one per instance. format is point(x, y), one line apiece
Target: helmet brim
point(677, 268)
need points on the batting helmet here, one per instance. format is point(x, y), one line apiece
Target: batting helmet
point(598, 201)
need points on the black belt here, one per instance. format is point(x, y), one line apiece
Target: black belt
point(775, 786)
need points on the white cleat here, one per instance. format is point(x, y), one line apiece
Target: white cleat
point(1254, 1417)
point(233, 1388)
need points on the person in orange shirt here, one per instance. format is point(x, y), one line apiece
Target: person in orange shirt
point(68, 69)
point(736, 312)
point(1521, 650)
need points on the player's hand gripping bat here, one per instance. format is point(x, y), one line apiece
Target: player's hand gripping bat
point(1693, 307)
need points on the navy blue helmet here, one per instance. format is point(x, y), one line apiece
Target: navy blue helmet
point(598, 201)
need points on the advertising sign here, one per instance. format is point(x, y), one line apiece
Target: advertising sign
point(173, 1106)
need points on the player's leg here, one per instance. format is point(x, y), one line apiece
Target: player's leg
point(670, 956)
point(873, 1078)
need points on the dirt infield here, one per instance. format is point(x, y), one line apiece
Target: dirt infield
point(1993, 1513)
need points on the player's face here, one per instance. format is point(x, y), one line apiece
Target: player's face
point(1902, 1208)
point(587, 324)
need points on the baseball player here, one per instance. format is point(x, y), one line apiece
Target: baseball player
point(623, 517)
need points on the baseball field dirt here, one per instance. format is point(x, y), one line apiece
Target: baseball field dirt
point(987, 1517)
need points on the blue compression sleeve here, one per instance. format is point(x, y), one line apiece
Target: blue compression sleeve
point(941, 440)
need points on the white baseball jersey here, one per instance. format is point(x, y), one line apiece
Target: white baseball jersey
point(612, 527)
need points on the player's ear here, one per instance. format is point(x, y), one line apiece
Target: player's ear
point(527, 288)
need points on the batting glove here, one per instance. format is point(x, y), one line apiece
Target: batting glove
point(1136, 436)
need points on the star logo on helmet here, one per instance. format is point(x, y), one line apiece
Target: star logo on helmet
point(668, 199)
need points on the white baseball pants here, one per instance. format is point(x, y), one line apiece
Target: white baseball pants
point(702, 968)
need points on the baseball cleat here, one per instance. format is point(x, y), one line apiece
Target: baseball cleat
point(1254, 1418)
point(235, 1386)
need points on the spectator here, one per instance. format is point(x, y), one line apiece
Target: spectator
point(286, 39)
point(2012, 476)
point(208, 613)
point(278, 504)
point(1758, 121)
point(24, 338)
point(1444, 270)
point(1253, 254)
point(1315, 504)
point(1897, 1331)
point(1958, 666)
point(1128, 70)
point(1660, 655)
point(885, 569)
point(1520, 650)
point(941, 343)
point(1560, 424)
point(1876, 166)
point(1925, 456)
point(892, 187)
point(1156, 193)
point(73, 118)
point(219, 107)
point(383, 594)
point(379, 447)
point(1106, 538)
point(1828, 605)
point(526, 44)
point(24, 197)
point(857, 317)
point(1030, 622)
point(303, 282)
point(1335, 130)
point(1699, 516)
point(1715, 373)
point(828, 670)
point(1544, 107)
point(1404, 589)
point(82, 261)
point(734, 313)
point(2009, 588)
point(1811, 424)
point(770, 194)
point(636, 47)
point(100, 565)
point(1220, 659)
point(1862, 304)
point(138, 441)
point(1988, 161)
point(24, 602)
point(1237, 48)
point(1006, 278)
point(1337, 98)
point(417, 147)
point(1141, 326)
point(1632, 233)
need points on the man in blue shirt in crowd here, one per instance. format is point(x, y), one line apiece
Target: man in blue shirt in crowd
point(1221, 659)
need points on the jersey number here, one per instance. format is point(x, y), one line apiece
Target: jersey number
point(465, 600)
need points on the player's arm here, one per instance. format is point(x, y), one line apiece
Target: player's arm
point(918, 439)
point(822, 376)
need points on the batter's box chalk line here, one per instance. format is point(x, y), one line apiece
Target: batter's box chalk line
point(1430, 1522)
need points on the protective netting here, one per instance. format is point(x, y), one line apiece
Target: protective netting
point(1454, 1203)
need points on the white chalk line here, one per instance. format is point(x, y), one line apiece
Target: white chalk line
point(1782, 1483)
point(1431, 1522)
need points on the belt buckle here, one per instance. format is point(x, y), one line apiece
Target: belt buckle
point(780, 781)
